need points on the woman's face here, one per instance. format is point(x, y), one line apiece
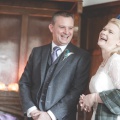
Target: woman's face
point(109, 37)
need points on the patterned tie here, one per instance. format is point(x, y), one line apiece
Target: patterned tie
point(54, 54)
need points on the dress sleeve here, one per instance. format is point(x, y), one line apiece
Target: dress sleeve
point(111, 98)
point(114, 72)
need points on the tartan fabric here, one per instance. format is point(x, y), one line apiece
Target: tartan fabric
point(111, 107)
point(103, 113)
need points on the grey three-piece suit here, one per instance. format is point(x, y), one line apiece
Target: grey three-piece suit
point(55, 86)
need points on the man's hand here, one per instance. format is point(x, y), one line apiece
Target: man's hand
point(44, 116)
point(35, 114)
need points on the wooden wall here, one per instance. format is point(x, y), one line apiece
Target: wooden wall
point(24, 25)
point(19, 28)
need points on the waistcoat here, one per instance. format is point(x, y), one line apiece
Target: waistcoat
point(49, 73)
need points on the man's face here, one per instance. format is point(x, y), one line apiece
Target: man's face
point(62, 30)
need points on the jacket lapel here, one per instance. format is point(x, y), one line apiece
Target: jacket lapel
point(62, 61)
point(45, 57)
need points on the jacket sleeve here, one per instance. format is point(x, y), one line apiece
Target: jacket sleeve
point(25, 85)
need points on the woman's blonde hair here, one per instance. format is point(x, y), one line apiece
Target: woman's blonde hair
point(116, 22)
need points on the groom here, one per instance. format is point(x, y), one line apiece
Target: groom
point(55, 75)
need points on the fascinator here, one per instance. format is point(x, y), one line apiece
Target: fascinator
point(116, 20)
point(118, 17)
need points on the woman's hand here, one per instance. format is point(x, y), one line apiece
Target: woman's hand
point(86, 101)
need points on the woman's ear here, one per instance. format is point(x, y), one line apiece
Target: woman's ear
point(51, 28)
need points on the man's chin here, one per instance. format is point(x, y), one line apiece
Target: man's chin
point(65, 42)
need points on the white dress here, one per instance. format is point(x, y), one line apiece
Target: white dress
point(107, 77)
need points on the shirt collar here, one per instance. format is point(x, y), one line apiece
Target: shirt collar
point(62, 47)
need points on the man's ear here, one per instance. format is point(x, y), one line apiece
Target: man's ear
point(51, 28)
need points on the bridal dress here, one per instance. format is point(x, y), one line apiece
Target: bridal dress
point(107, 77)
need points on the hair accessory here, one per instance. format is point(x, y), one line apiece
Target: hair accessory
point(118, 17)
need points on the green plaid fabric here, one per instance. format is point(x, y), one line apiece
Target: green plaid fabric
point(111, 107)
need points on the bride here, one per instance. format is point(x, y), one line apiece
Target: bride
point(105, 84)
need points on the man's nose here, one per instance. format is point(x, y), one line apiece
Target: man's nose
point(66, 31)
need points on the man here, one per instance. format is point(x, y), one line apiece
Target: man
point(50, 87)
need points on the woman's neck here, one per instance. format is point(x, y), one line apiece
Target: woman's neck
point(105, 56)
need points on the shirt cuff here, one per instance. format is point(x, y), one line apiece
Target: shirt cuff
point(51, 115)
point(30, 110)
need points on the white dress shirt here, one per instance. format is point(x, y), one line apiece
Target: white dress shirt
point(59, 51)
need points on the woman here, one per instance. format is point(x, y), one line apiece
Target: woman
point(105, 84)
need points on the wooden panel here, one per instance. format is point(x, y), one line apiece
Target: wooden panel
point(10, 29)
point(44, 5)
point(38, 32)
point(95, 29)
point(95, 62)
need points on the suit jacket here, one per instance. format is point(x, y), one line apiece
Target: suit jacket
point(68, 81)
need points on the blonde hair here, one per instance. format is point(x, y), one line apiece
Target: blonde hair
point(116, 22)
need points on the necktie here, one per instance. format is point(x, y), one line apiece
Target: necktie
point(54, 54)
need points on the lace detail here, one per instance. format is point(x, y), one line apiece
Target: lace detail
point(114, 71)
